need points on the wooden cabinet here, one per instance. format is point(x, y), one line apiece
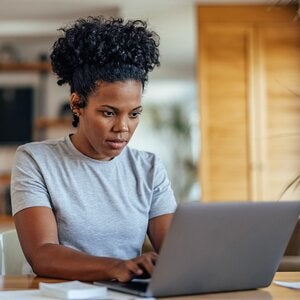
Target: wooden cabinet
point(25, 67)
point(51, 128)
point(43, 127)
point(249, 100)
point(42, 69)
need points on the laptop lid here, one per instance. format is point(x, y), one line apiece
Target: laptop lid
point(220, 247)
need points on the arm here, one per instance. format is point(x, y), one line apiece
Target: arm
point(37, 231)
point(162, 207)
point(157, 230)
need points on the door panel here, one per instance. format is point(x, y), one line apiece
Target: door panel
point(281, 59)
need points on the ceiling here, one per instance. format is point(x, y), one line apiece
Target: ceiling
point(174, 21)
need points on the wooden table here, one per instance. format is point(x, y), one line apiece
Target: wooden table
point(272, 292)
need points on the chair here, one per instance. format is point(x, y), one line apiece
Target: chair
point(291, 259)
point(12, 259)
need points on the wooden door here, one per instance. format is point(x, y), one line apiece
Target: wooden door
point(249, 74)
point(280, 48)
point(224, 59)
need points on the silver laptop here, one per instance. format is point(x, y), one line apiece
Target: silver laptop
point(219, 247)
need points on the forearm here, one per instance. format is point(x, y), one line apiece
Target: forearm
point(53, 260)
point(157, 230)
point(37, 231)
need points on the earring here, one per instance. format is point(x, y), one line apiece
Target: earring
point(75, 112)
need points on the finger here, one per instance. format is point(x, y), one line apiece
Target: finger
point(133, 267)
point(146, 263)
point(152, 255)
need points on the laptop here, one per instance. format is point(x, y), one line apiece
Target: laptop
point(218, 247)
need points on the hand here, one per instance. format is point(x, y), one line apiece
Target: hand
point(139, 266)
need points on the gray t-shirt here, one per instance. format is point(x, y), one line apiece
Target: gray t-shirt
point(101, 207)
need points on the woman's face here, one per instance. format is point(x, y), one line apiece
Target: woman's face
point(109, 119)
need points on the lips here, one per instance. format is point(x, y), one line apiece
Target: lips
point(116, 144)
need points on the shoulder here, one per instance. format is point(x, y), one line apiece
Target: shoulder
point(42, 152)
point(41, 147)
point(140, 157)
point(144, 163)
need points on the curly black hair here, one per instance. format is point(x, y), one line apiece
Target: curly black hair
point(98, 49)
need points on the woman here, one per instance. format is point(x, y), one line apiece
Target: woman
point(83, 204)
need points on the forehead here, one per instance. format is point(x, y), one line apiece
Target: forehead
point(129, 91)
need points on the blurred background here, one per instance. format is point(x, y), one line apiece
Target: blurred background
point(222, 111)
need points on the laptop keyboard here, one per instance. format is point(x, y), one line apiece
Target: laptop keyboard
point(138, 285)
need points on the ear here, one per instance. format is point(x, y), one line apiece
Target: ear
point(74, 103)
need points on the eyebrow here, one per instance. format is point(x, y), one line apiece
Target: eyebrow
point(116, 109)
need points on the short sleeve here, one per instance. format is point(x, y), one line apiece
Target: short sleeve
point(163, 200)
point(28, 188)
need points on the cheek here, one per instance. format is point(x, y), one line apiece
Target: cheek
point(134, 125)
point(97, 129)
point(100, 124)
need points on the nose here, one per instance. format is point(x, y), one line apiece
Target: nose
point(121, 125)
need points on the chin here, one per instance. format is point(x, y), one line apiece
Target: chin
point(114, 153)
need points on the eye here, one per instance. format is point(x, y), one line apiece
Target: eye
point(107, 113)
point(135, 114)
